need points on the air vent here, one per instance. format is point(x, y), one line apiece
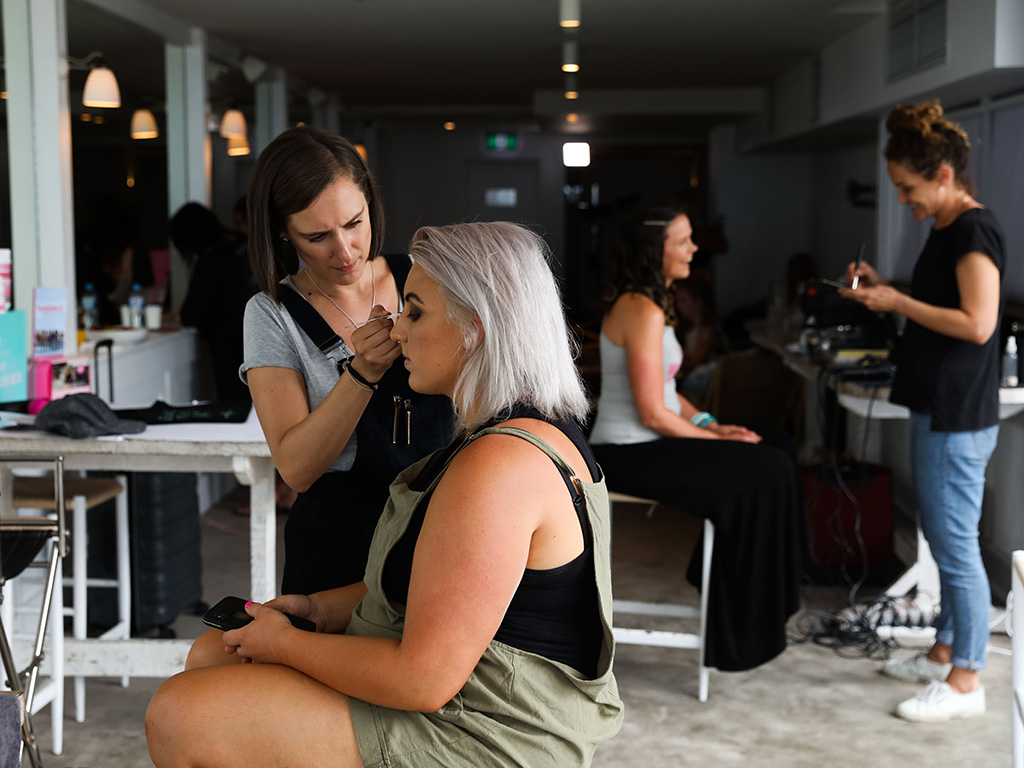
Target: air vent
point(917, 36)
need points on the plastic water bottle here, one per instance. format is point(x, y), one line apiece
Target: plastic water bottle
point(90, 307)
point(1010, 363)
point(137, 306)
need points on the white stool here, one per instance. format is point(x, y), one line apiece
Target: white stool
point(669, 639)
point(82, 494)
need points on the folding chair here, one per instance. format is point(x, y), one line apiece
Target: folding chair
point(22, 539)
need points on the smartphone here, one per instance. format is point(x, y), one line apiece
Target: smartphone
point(831, 283)
point(230, 613)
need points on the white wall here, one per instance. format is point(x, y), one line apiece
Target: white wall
point(985, 58)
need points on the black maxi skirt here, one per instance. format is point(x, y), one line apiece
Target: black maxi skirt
point(752, 496)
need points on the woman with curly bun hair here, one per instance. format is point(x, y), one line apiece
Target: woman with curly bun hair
point(948, 376)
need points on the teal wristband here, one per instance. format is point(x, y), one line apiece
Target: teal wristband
point(703, 419)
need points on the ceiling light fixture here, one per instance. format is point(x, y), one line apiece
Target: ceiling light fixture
point(144, 125)
point(100, 86)
point(571, 91)
point(238, 146)
point(572, 118)
point(569, 13)
point(232, 125)
point(576, 154)
point(570, 56)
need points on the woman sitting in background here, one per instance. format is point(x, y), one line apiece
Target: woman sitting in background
point(653, 443)
point(481, 635)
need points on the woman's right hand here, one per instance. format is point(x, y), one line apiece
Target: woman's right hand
point(374, 348)
point(297, 605)
point(734, 432)
point(867, 273)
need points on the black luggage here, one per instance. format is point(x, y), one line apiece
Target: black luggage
point(166, 561)
point(167, 567)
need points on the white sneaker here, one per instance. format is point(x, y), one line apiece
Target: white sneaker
point(938, 702)
point(916, 669)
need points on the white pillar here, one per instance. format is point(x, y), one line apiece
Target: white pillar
point(39, 145)
point(326, 114)
point(271, 107)
point(188, 143)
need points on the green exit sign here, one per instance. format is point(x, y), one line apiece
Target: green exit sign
point(502, 142)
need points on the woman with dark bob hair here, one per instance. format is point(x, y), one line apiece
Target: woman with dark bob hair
point(654, 443)
point(325, 376)
point(947, 374)
point(482, 633)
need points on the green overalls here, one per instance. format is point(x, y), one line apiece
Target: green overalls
point(517, 708)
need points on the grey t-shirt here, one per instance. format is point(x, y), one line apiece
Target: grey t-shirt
point(272, 338)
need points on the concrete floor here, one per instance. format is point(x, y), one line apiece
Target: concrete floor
point(809, 707)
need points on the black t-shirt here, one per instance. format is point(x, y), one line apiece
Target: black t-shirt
point(956, 381)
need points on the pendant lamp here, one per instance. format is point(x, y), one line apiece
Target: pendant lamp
point(569, 14)
point(144, 125)
point(101, 87)
point(238, 146)
point(571, 89)
point(232, 125)
point(570, 56)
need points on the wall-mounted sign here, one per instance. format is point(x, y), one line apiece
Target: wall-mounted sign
point(502, 197)
point(502, 142)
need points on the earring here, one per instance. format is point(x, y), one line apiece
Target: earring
point(284, 238)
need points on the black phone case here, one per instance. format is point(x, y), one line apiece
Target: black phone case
point(230, 613)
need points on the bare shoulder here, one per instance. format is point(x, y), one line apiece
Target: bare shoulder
point(633, 313)
point(513, 463)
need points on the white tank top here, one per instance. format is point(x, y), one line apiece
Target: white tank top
point(617, 418)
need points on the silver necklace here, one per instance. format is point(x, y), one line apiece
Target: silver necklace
point(373, 300)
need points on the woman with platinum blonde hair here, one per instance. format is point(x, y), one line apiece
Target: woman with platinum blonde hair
point(481, 634)
point(499, 273)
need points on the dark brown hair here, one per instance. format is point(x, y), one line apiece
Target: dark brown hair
point(922, 139)
point(289, 175)
point(639, 265)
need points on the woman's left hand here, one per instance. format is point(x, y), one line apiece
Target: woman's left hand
point(734, 432)
point(259, 639)
point(877, 298)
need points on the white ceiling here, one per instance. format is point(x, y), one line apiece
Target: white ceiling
point(423, 56)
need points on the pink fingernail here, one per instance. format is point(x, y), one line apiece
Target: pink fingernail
point(248, 603)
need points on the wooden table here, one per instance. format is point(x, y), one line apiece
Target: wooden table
point(239, 449)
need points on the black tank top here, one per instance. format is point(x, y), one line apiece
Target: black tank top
point(554, 612)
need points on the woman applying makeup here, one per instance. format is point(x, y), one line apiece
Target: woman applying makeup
point(326, 378)
point(947, 374)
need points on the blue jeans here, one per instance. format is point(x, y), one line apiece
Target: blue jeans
point(949, 478)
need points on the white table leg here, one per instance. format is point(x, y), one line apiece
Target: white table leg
point(258, 474)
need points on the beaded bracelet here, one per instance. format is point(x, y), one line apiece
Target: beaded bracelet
point(703, 419)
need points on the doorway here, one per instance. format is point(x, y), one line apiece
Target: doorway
point(620, 183)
